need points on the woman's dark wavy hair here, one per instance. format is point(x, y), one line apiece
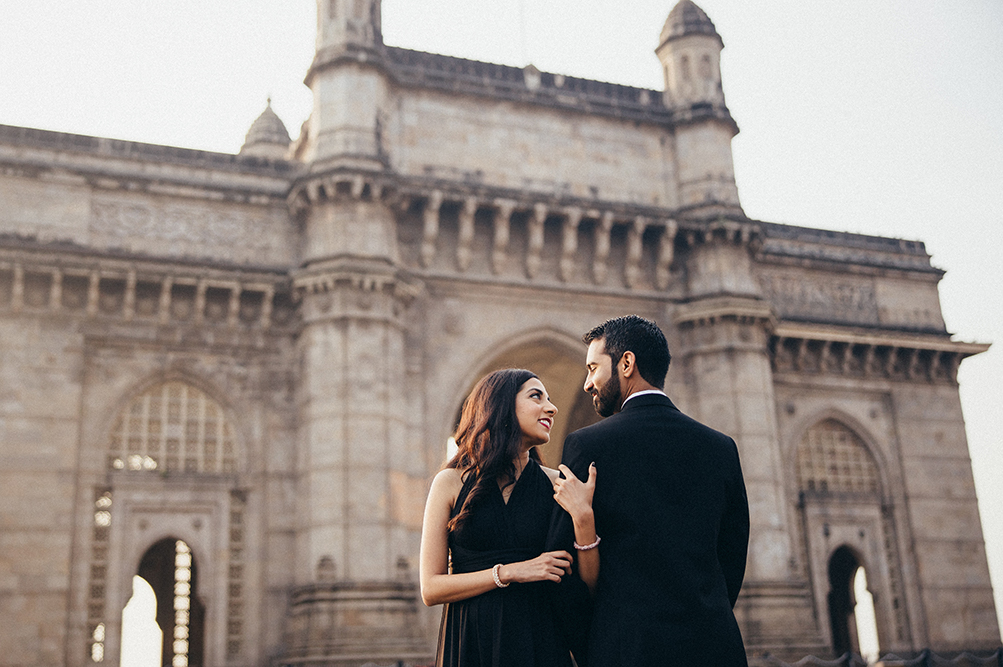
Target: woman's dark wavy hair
point(488, 438)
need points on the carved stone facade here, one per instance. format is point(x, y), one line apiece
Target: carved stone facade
point(257, 361)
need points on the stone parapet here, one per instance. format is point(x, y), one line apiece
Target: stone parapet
point(805, 246)
point(113, 164)
point(528, 85)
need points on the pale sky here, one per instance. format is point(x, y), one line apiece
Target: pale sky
point(879, 117)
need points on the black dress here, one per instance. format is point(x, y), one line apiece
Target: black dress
point(505, 627)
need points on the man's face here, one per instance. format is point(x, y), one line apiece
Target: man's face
point(601, 382)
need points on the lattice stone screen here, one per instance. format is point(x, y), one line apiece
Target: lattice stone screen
point(173, 427)
point(832, 458)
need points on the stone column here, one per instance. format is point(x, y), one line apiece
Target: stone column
point(724, 331)
point(356, 600)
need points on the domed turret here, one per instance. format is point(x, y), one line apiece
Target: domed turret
point(267, 137)
point(690, 52)
point(687, 19)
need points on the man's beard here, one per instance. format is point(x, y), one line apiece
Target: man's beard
point(607, 398)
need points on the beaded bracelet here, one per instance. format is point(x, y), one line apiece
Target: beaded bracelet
point(588, 546)
point(494, 575)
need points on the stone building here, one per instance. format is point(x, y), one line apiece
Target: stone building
point(235, 375)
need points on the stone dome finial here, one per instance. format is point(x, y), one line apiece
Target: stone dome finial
point(687, 19)
point(267, 137)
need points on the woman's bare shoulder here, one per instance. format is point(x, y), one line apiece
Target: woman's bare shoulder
point(445, 487)
point(448, 477)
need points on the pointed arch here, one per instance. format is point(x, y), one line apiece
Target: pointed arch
point(841, 489)
point(172, 571)
point(832, 458)
point(861, 436)
point(174, 424)
point(558, 358)
point(842, 566)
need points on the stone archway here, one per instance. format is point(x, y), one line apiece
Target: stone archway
point(843, 565)
point(170, 569)
point(563, 374)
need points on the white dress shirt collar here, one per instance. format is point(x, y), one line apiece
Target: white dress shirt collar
point(642, 393)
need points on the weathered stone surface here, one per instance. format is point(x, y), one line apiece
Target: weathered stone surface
point(438, 219)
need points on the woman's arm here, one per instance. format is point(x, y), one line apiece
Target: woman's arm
point(437, 585)
point(576, 498)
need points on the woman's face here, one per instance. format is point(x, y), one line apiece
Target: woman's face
point(535, 413)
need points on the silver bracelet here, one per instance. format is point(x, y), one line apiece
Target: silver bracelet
point(588, 546)
point(494, 575)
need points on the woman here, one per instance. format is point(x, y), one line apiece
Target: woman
point(485, 526)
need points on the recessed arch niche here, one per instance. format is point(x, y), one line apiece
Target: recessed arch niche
point(848, 522)
point(173, 427)
point(561, 368)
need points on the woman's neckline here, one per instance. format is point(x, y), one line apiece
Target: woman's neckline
point(513, 485)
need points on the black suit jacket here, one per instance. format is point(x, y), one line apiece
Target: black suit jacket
point(671, 508)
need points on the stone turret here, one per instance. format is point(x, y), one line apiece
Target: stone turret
point(690, 52)
point(349, 86)
point(268, 137)
point(349, 25)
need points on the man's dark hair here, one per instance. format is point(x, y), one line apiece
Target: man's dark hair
point(640, 336)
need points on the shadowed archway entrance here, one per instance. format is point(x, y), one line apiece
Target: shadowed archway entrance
point(170, 569)
point(564, 375)
point(843, 566)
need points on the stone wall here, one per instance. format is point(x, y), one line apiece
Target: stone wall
point(40, 395)
point(530, 148)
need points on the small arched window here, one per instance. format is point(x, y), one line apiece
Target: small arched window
point(833, 459)
point(706, 69)
point(173, 427)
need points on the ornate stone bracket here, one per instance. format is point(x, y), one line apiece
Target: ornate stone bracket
point(569, 242)
point(649, 231)
point(724, 322)
point(106, 288)
point(502, 219)
point(338, 185)
point(722, 230)
point(887, 356)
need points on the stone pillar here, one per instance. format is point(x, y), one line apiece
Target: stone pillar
point(356, 599)
point(724, 331)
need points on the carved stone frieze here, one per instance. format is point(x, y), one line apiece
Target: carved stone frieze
point(183, 229)
point(833, 300)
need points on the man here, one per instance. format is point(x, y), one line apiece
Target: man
point(670, 510)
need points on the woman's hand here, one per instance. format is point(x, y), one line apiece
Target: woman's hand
point(548, 566)
point(574, 495)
